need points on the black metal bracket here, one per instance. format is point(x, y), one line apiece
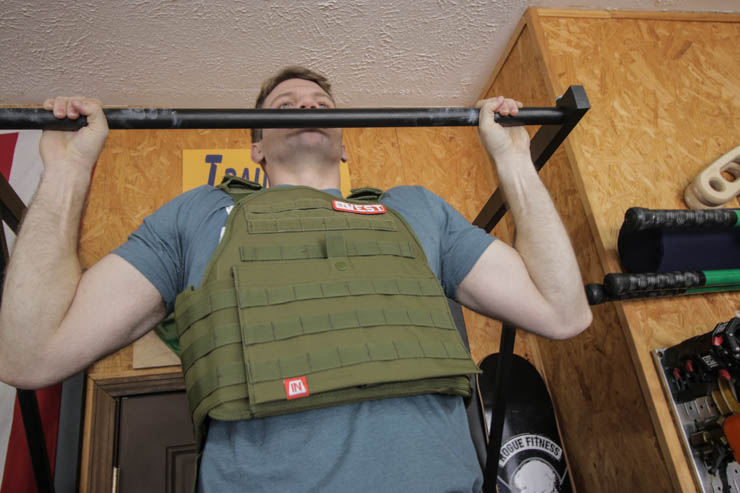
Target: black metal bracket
point(542, 146)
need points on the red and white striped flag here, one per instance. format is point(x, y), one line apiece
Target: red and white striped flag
point(20, 164)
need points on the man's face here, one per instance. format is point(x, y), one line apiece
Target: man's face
point(284, 145)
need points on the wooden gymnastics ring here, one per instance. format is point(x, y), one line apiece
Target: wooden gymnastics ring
point(711, 190)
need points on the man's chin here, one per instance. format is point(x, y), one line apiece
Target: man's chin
point(312, 131)
point(311, 137)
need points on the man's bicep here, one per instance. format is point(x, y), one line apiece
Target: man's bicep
point(114, 305)
point(500, 287)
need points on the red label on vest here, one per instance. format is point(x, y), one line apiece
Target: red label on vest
point(296, 387)
point(338, 205)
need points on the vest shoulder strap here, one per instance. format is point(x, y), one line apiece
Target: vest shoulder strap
point(366, 194)
point(238, 188)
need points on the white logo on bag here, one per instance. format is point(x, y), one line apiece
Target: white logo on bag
point(520, 443)
point(338, 205)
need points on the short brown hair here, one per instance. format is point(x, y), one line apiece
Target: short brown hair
point(293, 72)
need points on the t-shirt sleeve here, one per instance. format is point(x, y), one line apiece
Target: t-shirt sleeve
point(452, 245)
point(461, 245)
point(161, 248)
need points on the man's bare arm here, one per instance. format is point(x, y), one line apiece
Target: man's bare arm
point(54, 320)
point(537, 285)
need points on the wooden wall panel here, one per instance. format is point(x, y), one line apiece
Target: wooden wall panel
point(374, 157)
point(664, 92)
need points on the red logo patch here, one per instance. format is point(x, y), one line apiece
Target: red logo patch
point(296, 387)
point(338, 205)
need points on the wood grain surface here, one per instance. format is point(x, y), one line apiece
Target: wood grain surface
point(664, 91)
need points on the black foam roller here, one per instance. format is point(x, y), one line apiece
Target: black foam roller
point(679, 240)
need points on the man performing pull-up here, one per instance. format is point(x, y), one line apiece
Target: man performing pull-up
point(318, 350)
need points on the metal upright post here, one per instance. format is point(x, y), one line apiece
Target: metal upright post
point(500, 391)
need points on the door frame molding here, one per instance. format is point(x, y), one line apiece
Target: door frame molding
point(97, 460)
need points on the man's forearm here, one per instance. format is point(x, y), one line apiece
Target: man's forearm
point(541, 239)
point(44, 270)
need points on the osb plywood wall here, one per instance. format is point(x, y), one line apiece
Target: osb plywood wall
point(665, 94)
point(668, 90)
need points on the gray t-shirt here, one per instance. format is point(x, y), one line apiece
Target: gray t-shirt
point(407, 444)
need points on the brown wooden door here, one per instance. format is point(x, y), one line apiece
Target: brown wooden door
point(156, 446)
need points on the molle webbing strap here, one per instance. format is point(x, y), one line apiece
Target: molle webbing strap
point(252, 297)
point(342, 357)
point(275, 330)
point(215, 338)
point(305, 224)
point(316, 250)
point(287, 205)
point(224, 375)
point(275, 371)
point(201, 303)
point(204, 301)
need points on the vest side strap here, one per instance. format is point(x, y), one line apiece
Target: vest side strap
point(224, 376)
point(213, 339)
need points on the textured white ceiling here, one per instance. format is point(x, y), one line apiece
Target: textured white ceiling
point(215, 53)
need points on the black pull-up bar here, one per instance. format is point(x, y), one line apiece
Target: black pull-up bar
point(147, 118)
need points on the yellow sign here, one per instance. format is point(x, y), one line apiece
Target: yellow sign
point(208, 167)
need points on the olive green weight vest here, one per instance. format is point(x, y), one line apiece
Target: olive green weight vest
point(303, 306)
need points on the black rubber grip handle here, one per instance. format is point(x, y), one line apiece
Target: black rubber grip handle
point(596, 294)
point(639, 219)
point(620, 284)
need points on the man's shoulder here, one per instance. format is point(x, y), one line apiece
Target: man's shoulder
point(407, 191)
point(411, 196)
point(201, 196)
point(200, 191)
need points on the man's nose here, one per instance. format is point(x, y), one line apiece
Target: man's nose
point(308, 103)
